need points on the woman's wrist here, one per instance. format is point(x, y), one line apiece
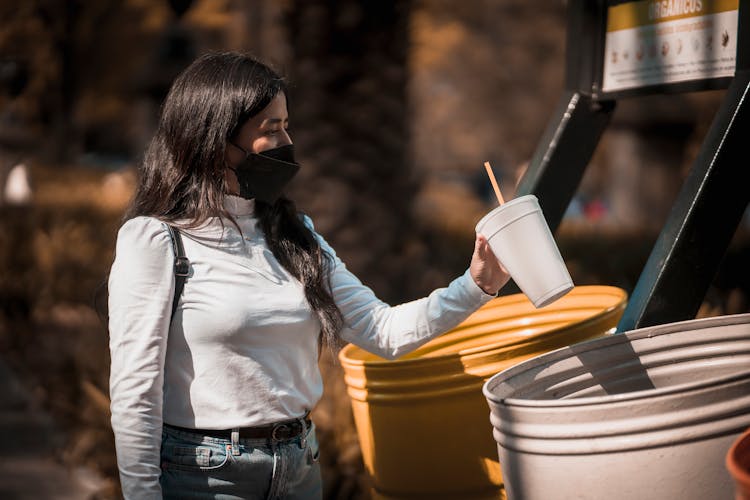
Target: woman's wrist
point(493, 294)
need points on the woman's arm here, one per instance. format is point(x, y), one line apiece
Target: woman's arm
point(141, 286)
point(392, 331)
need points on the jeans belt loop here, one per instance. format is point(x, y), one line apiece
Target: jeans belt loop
point(236, 441)
point(303, 438)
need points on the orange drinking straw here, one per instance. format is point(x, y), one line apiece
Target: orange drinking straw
point(499, 195)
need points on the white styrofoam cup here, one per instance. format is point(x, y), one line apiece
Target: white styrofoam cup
point(521, 240)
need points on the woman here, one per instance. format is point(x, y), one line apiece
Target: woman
point(213, 400)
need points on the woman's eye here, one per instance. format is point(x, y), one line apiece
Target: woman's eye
point(273, 132)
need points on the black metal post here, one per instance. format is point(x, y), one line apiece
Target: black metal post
point(565, 149)
point(703, 220)
point(705, 216)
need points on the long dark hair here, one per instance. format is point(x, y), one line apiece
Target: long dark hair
point(182, 175)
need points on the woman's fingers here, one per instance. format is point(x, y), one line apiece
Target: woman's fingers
point(488, 271)
point(483, 249)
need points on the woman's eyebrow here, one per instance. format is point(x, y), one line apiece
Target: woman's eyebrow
point(272, 121)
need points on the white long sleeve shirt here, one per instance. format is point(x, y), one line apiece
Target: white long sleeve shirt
point(242, 347)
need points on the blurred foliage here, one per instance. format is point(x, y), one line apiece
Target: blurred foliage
point(54, 255)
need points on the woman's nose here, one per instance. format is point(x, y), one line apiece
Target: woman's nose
point(285, 138)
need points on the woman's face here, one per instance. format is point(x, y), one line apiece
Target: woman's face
point(264, 131)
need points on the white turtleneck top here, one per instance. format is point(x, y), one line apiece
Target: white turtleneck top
point(242, 347)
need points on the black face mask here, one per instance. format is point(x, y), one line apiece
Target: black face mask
point(264, 175)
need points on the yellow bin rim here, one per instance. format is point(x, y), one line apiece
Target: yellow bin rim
point(490, 328)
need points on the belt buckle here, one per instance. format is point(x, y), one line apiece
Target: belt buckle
point(279, 428)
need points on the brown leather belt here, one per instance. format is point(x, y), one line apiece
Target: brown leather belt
point(279, 431)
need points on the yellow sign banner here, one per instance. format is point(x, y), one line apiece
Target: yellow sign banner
point(647, 12)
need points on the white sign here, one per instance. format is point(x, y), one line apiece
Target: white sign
point(669, 41)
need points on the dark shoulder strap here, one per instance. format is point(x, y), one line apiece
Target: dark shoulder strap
point(181, 265)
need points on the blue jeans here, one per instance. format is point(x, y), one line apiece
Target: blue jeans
point(198, 466)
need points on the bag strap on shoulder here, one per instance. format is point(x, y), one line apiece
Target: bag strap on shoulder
point(181, 265)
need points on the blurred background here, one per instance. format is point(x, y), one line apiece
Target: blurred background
point(394, 107)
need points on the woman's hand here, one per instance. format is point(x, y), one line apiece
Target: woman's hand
point(486, 270)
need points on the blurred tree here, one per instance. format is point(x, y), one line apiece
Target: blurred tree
point(179, 7)
point(348, 73)
point(14, 75)
point(79, 55)
point(60, 20)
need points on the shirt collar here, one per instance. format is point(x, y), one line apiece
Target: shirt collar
point(238, 206)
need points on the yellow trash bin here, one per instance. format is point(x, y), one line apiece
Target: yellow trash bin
point(422, 420)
